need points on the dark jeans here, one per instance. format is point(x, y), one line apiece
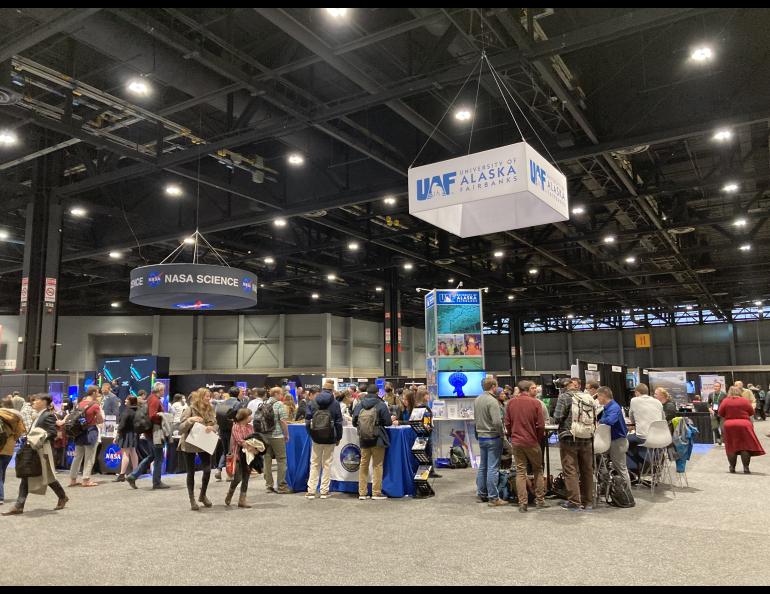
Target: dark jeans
point(155, 456)
point(225, 450)
point(242, 474)
point(24, 491)
point(634, 457)
point(4, 462)
point(189, 460)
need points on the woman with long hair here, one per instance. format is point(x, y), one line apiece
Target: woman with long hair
point(241, 431)
point(127, 439)
point(737, 430)
point(407, 399)
point(200, 411)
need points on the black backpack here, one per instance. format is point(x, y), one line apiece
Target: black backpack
point(619, 494)
point(75, 422)
point(322, 427)
point(457, 458)
point(264, 419)
point(142, 422)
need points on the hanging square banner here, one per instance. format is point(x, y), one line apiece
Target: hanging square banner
point(505, 188)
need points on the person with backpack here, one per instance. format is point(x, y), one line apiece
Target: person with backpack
point(11, 429)
point(43, 432)
point(87, 415)
point(576, 416)
point(612, 415)
point(148, 420)
point(127, 439)
point(323, 421)
point(199, 411)
point(225, 412)
point(271, 422)
point(371, 416)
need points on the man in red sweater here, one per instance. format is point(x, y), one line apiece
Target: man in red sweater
point(525, 424)
point(155, 435)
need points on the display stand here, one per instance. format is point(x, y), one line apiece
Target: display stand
point(421, 425)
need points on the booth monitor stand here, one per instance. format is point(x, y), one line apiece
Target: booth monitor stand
point(421, 485)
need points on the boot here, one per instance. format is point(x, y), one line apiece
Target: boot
point(193, 505)
point(14, 511)
point(242, 501)
point(61, 503)
point(203, 499)
point(121, 478)
point(229, 496)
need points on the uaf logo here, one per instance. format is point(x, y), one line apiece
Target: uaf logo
point(154, 278)
point(248, 285)
point(438, 185)
point(112, 456)
point(537, 174)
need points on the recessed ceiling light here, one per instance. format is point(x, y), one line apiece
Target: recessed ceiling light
point(353, 246)
point(702, 54)
point(139, 86)
point(451, 280)
point(578, 210)
point(8, 138)
point(315, 296)
point(740, 222)
point(269, 260)
point(408, 266)
point(296, 159)
point(498, 254)
point(189, 240)
point(389, 200)
point(116, 255)
point(4, 234)
point(173, 190)
point(758, 303)
point(337, 13)
point(331, 277)
point(745, 247)
point(731, 187)
point(533, 271)
point(262, 285)
point(630, 259)
point(77, 211)
point(279, 222)
point(722, 135)
point(378, 289)
point(114, 304)
point(510, 297)
point(570, 316)
point(463, 115)
point(609, 239)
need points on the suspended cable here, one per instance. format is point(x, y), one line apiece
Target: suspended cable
point(476, 102)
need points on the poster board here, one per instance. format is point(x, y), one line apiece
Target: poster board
point(707, 385)
point(675, 383)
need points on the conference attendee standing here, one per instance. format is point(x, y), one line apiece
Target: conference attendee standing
point(272, 424)
point(110, 402)
point(612, 415)
point(43, 431)
point(199, 411)
point(240, 432)
point(490, 435)
point(155, 436)
point(18, 401)
point(643, 410)
point(127, 439)
point(714, 401)
point(323, 421)
point(88, 440)
point(738, 430)
point(371, 416)
point(525, 426)
point(14, 429)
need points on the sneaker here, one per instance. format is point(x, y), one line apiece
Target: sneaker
point(379, 498)
point(269, 490)
point(523, 508)
point(569, 506)
point(161, 486)
point(482, 498)
point(218, 475)
point(324, 497)
point(131, 481)
point(587, 508)
point(542, 505)
point(284, 491)
point(497, 503)
point(310, 496)
point(362, 498)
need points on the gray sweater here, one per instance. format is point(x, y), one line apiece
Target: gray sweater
point(488, 416)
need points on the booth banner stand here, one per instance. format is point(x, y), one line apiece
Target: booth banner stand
point(501, 189)
point(674, 382)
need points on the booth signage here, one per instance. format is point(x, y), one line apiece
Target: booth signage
point(592, 367)
point(616, 369)
point(24, 294)
point(50, 290)
point(642, 341)
point(193, 287)
point(505, 188)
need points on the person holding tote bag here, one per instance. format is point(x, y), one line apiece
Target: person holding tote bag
point(40, 437)
point(200, 411)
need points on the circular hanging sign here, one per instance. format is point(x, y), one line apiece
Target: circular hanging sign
point(195, 287)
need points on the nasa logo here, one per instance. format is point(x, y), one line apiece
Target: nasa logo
point(248, 285)
point(112, 456)
point(154, 278)
point(70, 453)
point(350, 457)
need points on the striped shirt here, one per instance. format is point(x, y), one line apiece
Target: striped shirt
point(238, 436)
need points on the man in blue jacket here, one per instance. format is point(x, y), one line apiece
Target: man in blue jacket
point(612, 415)
point(323, 421)
point(371, 415)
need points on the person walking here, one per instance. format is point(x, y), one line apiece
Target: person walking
point(323, 421)
point(490, 434)
point(241, 431)
point(43, 430)
point(199, 411)
point(738, 430)
point(88, 440)
point(155, 436)
point(271, 422)
point(14, 429)
point(225, 413)
point(127, 439)
point(370, 417)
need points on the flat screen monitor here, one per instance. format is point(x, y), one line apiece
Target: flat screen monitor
point(460, 384)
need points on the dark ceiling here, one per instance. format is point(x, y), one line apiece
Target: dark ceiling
point(612, 93)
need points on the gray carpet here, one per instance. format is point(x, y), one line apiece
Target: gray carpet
point(715, 532)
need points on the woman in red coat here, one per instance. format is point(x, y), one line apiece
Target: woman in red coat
point(738, 435)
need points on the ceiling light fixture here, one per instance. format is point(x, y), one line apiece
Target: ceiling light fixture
point(279, 222)
point(451, 280)
point(8, 138)
point(758, 303)
point(114, 304)
point(189, 241)
point(722, 135)
point(315, 296)
point(578, 210)
point(389, 200)
point(702, 54)
point(331, 277)
point(173, 190)
point(626, 312)
point(353, 246)
point(139, 86)
point(498, 254)
point(269, 260)
point(378, 289)
point(77, 211)
point(630, 259)
point(570, 316)
point(116, 255)
point(745, 247)
point(463, 115)
point(337, 13)
point(296, 159)
point(4, 234)
point(510, 297)
point(408, 266)
point(740, 222)
point(609, 239)
point(533, 271)
point(731, 187)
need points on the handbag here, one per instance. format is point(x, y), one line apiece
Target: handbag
point(230, 464)
point(28, 462)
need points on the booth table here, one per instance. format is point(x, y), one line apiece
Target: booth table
point(399, 468)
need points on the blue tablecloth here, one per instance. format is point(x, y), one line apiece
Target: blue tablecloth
point(399, 468)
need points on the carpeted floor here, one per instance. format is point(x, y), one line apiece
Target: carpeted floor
point(713, 532)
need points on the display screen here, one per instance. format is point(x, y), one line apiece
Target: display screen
point(131, 374)
point(460, 384)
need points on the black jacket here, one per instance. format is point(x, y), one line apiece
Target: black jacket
point(383, 414)
point(325, 399)
point(46, 420)
point(126, 423)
